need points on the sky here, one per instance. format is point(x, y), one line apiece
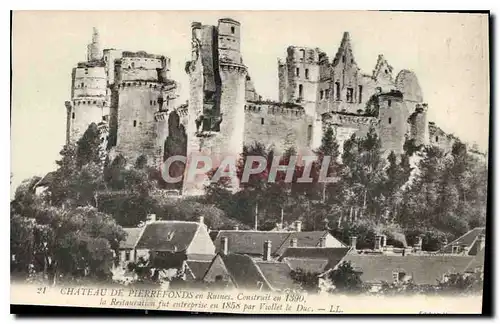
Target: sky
point(448, 52)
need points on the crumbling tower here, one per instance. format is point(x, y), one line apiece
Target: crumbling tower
point(217, 95)
point(419, 125)
point(299, 77)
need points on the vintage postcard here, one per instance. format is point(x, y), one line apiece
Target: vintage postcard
point(271, 162)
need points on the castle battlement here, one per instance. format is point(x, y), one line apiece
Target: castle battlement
point(275, 108)
point(161, 115)
point(154, 85)
point(182, 110)
point(98, 100)
point(338, 118)
point(142, 54)
point(228, 66)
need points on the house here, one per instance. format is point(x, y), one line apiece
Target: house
point(426, 269)
point(233, 270)
point(469, 244)
point(188, 239)
point(250, 242)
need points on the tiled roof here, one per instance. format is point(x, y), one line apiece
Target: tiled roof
point(467, 239)
point(307, 265)
point(476, 262)
point(198, 268)
point(277, 274)
point(250, 242)
point(173, 236)
point(424, 269)
point(315, 253)
point(133, 235)
point(304, 239)
point(244, 271)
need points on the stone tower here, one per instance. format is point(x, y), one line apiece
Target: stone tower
point(144, 94)
point(419, 125)
point(392, 121)
point(215, 126)
point(299, 77)
point(88, 93)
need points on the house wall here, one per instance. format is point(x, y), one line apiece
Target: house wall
point(201, 243)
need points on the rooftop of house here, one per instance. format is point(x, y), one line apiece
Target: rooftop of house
point(307, 265)
point(133, 235)
point(424, 269)
point(469, 239)
point(244, 271)
point(174, 236)
point(277, 274)
point(198, 268)
point(252, 242)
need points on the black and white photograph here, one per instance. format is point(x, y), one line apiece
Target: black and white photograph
point(250, 162)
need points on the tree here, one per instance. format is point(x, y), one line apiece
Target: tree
point(308, 281)
point(346, 279)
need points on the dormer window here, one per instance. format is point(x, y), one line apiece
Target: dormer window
point(455, 249)
point(170, 236)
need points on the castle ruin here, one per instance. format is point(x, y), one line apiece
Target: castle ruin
point(133, 100)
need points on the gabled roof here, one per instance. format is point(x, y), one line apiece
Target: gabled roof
point(326, 258)
point(307, 239)
point(133, 235)
point(278, 274)
point(198, 268)
point(244, 271)
point(476, 262)
point(424, 269)
point(250, 242)
point(468, 239)
point(307, 265)
point(173, 236)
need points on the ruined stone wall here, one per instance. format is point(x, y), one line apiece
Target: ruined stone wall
point(345, 125)
point(250, 92)
point(419, 126)
point(282, 81)
point(440, 138)
point(278, 127)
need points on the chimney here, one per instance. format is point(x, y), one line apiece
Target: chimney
point(267, 251)
point(322, 242)
point(353, 242)
point(418, 246)
point(236, 228)
point(293, 242)
point(298, 226)
point(482, 241)
point(151, 218)
point(378, 240)
point(201, 220)
point(224, 242)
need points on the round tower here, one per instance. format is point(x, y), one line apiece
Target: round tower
point(94, 52)
point(393, 121)
point(88, 104)
point(229, 41)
